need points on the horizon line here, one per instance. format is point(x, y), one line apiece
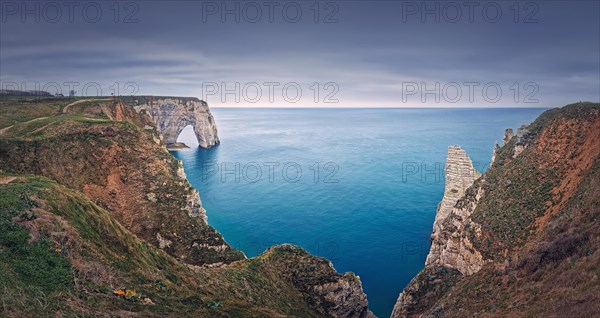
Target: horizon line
point(387, 107)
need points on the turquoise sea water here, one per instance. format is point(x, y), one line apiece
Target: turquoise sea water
point(357, 186)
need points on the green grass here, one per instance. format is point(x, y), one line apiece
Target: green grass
point(31, 265)
point(12, 113)
point(73, 229)
point(38, 128)
point(518, 190)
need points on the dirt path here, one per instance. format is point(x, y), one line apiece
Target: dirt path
point(64, 111)
point(5, 129)
point(5, 180)
point(66, 108)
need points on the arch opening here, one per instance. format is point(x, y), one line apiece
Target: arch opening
point(187, 136)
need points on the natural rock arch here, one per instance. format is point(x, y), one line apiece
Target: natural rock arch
point(173, 114)
point(186, 135)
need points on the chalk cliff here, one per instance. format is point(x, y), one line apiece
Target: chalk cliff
point(172, 114)
point(448, 249)
point(460, 175)
point(522, 240)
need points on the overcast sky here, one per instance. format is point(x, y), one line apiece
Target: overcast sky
point(359, 53)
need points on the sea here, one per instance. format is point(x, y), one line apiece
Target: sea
point(358, 186)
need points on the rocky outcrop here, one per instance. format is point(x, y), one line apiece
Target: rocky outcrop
point(460, 175)
point(172, 114)
point(508, 134)
point(329, 293)
point(451, 253)
point(521, 140)
point(194, 204)
point(517, 143)
point(343, 297)
point(448, 249)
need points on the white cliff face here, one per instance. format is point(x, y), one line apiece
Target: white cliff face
point(508, 135)
point(194, 207)
point(172, 115)
point(450, 248)
point(522, 139)
point(460, 175)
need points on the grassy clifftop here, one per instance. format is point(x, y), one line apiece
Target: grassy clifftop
point(62, 253)
point(525, 192)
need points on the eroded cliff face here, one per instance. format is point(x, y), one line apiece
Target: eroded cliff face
point(114, 156)
point(508, 244)
point(172, 114)
point(522, 140)
point(332, 294)
point(446, 249)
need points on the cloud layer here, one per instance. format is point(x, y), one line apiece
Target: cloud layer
point(369, 54)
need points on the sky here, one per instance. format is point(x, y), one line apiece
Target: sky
point(308, 53)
